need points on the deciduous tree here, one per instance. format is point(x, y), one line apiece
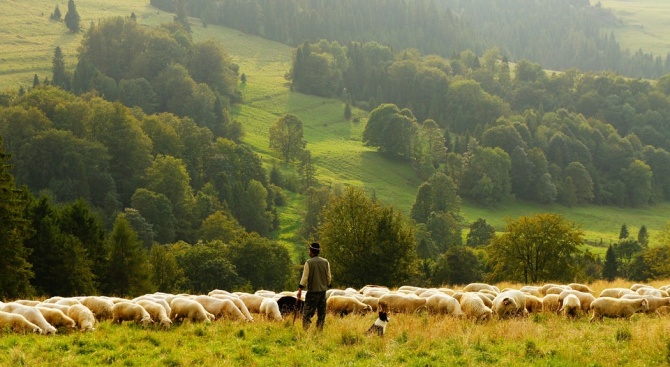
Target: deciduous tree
point(286, 137)
point(535, 249)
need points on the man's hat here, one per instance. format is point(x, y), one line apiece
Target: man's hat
point(315, 247)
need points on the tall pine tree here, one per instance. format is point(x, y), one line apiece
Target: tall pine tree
point(610, 270)
point(72, 18)
point(129, 268)
point(15, 270)
point(60, 78)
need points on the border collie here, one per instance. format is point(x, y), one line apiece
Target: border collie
point(379, 327)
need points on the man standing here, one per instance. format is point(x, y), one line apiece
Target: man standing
point(317, 279)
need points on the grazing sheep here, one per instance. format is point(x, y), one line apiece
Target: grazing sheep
point(31, 314)
point(101, 307)
point(53, 299)
point(614, 307)
point(443, 304)
point(252, 301)
point(68, 301)
point(155, 298)
point(398, 302)
point(82, 316)
point(407, 288)
point(653, 302)
point(374, 291)
point(270, 309)
point(532, 290)
point(585, 299)
point(571, 306)
point(487, 298)
point(615, 292)
point(637, 286)
point(476, 287)
point(218, 291)
point(239, 303)
point(533, 304)
point(648, 291)
point(373, 302)
point(550, 303)
point(27, 302)
point(581, 287)
point(57, 318)
point(17, 323)
point(62, 308)
point(344, 305)
point(188, 309)
point(128, 311)
point(543, 289)
point(509, 303)
point(556, 290)
point(157, 312)
point(474, 308)
point(220, 308)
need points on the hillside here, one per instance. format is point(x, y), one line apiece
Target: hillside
point(338, 153)
point(645, 24)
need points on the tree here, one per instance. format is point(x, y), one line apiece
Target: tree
point(206, 267)
point(220, 226)
point(610, 270)
point(623, 232)
point(535, 249)
point(129, 268)
point(286, 137)
point(626, 251)
point(15, 270)
point(581, 179)
point(392, 131)
point(166, 273)
point(463, 265)
point(36, 81)
point(56, 15)
point(643, 236)
point(261, 263)
point(347, 111)
point(480, 233)
point(60, 77)
point(157, 210)
point(365, 242)
point(72, 18)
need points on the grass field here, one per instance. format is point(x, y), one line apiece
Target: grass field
point(646, 24)
point(28, 37)
point(543, 339)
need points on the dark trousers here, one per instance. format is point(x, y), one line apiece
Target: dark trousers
point(314, 302)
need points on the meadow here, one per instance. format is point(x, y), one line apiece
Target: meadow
point(542, 339)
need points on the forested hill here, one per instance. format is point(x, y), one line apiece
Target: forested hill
point(557, 34)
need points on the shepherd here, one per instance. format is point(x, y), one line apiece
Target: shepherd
point(317, 279)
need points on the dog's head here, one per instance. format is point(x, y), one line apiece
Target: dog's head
point(383, 316)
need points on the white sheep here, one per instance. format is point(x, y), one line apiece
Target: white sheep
point(344, 305)
point(474, 308)
point(571, 306)
point(221, 308)
point(101, 307)
point(581, 287)
point(615, 292)
point(68, 301)
point(533, 304)
point(157, 312)
point(443, 304)
point(476, 287)
point(509, 303)
point(654, 303)
point(31, 314)
point(82, 316)
point(27, 302)
point(188, 309)
point(373, 302)
point(62, 308)
point(403, 303)
point(160, 299)
point(238, 302)
point(550, 303)
point(128, 311)
point(615, 307)
point(585, 299)
point(374, 291)
point(252, 301)
point(17, 323)
point(57, 318)
point(270, 309)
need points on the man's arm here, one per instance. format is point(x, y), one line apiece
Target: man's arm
point(329, 277)
point(305, 276)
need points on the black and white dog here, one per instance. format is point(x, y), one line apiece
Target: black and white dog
point(379, 327)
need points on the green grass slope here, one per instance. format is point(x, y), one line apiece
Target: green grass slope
point(645, 24)
point(28, 37)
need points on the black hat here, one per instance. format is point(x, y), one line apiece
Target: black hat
point(315, 247)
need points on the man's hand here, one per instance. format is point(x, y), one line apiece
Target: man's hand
point(299, 296)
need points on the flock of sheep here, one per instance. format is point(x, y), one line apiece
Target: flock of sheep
point(476, 301)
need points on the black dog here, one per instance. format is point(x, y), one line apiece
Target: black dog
point(379, 327)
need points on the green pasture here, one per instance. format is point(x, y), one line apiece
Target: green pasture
point(645, 24)
point(411, 340)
